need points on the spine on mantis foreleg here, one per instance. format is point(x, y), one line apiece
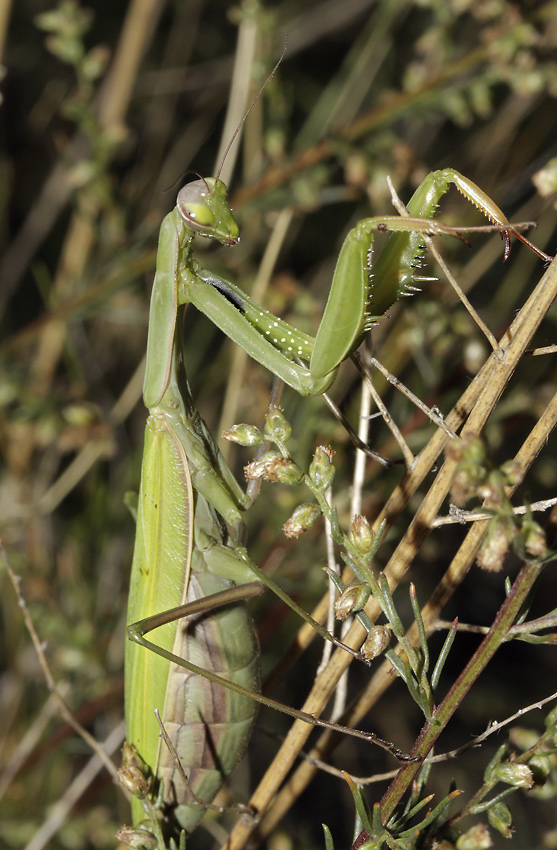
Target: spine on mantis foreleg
point(189, 512)
point(361, 293)
point(396, 272)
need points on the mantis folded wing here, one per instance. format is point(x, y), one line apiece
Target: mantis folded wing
point(189, 523)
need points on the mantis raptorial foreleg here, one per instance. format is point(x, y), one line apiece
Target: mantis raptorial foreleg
point(189, 526)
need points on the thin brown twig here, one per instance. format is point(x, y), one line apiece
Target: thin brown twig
point(65, 711)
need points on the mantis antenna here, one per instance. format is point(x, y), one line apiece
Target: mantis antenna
point(254, 101)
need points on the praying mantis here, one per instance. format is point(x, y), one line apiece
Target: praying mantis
point(189, 556)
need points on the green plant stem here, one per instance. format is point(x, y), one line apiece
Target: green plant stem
point(431, 730)
point(479, 661)
point(476, 806)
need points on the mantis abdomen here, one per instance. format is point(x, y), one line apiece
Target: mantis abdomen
point(208, 725)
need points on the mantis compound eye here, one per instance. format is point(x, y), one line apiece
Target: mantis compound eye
point(203, 206)
point(192, 204)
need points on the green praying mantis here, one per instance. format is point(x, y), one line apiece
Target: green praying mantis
point(190, 565)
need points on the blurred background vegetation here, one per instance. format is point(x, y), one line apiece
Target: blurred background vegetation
point(105, 106)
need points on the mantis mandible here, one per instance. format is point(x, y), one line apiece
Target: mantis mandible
point(189, 521)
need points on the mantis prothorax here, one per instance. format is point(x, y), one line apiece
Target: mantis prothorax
point(189, 520)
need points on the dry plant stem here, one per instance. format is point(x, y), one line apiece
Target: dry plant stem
point(462, 297)
point(29, 741)
point(240, 86)
point(492, 729)
point(51, 200)
point(527, 627)
point(5, 9)
point(360, 463)
point(339, 704)
point(64, 710)
point(91, 452)
point(496, 727)
point(387, 418)
point(117, 89)
point(460, 517)
point(537, 352)
point(483, 655)
point(181, 40)
point(58, 814)
point(476, 403)
point(333, 566)
point(356, 439)
point(76, 306)
point(394, 381)
point(79, 241)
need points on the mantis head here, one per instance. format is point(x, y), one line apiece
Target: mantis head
point(203, 205)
